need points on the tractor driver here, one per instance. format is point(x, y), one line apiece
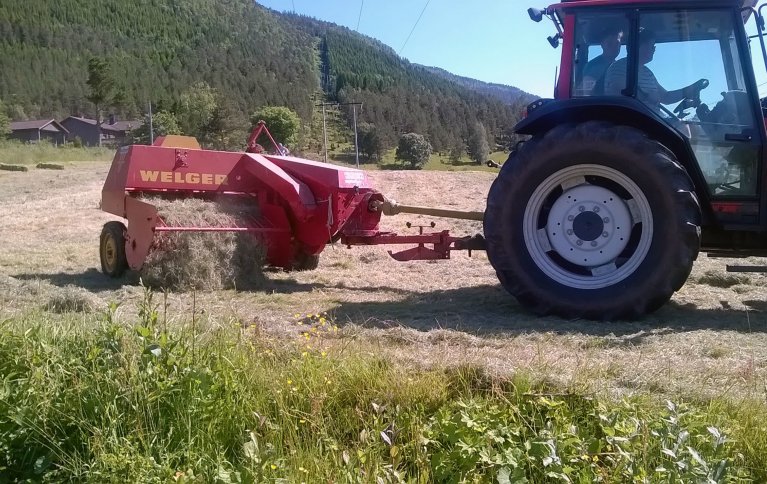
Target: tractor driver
point(594, 73)
point(650, 92)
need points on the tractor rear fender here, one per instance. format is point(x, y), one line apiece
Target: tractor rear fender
point(621, 111)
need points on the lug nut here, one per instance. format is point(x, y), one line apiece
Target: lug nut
point(606, 220)
point(580, 242)
point(605, 234)
point(569, 232)
point(581, 208)
point(593, 243)
point(596, 209)
point(570, 218)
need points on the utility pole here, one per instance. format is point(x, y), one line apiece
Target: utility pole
point(151, 128)
point(324, 134)
point(356, 144)
point(325, 131)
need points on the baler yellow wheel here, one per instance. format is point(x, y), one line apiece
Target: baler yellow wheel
point(112, 249)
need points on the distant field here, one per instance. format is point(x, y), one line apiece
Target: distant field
point(15, 153)
point(437, 162)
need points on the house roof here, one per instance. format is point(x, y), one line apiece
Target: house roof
point(84, 120)
point(121, 125)
point(46, 124)
point(105, 126)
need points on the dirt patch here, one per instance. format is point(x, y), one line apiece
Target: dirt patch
point(710, 339)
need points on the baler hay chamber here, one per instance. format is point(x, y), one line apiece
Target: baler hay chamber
point(298, 205)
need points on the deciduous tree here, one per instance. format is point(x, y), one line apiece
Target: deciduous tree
point(281, 121)
point(478, 148)
point(413, 149)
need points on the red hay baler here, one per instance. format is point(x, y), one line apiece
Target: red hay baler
point(302, 205)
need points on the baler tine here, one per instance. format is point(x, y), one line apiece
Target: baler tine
point(303, 204)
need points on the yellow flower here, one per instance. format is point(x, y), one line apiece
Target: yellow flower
point(302, 421)
point(324, 354)
point(273, 466)
point(290, 382)
point(304, 354)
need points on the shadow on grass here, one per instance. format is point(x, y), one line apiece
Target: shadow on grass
point(94, 281)
point(486, 310)
point(489, 311)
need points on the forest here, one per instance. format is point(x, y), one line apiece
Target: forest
point(250, 55)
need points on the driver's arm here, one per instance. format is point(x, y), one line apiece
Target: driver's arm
point(669, 97)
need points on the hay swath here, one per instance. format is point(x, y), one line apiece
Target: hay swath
point(302, 205)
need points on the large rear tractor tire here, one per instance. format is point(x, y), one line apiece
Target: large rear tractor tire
point(593, 221)
point(112, 249)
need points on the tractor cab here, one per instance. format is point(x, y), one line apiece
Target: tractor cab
point(651, 150)
point(688, 66)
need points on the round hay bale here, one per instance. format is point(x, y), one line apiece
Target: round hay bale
point(205, 260)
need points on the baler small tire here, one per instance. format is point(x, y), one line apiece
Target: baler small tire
point(112, 249)
point(547, 214)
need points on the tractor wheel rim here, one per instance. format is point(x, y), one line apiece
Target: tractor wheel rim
point(588, 226)
point(110, 252)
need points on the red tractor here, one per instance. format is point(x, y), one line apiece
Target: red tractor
point(651, 151)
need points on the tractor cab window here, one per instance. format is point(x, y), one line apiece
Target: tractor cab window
point(690, 73)
point(600, 41)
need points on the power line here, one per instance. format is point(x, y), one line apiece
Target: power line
point(294, 5)
point(362, 4)
point(414, 26)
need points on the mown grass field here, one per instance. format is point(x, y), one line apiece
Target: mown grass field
point(365, 370)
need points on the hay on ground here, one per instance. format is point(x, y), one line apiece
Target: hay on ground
point(205, 260)
point(50, 166)
point(70, 299)
point(11, 167)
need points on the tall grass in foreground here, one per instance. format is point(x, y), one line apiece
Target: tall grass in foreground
point(14, 152)
point(103, 401)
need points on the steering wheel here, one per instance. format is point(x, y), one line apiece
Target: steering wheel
point(691, 101)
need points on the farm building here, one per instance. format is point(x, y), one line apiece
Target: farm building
point(39, 130)
point(112, 132)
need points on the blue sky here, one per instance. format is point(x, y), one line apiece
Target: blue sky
point(489, 40)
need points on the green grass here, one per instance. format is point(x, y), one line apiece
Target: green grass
point(100, 400)
point(437, 162)
point(14, 152)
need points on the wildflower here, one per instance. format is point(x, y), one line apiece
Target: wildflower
point(273, 467)
point(304, 354)
point(290, 382)
point(302, 421)
point(324, 354)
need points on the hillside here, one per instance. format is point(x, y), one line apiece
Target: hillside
point(252, 55)
point(508, 94)
point(156, 48)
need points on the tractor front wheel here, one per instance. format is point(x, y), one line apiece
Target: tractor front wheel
point(112, 249)
point(592, 221)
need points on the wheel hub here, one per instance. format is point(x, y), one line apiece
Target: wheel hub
point(110, 252)
point(589, 225)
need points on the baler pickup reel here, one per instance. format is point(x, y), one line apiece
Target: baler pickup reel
point(302, 205)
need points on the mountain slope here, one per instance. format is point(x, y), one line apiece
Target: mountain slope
point(157, 48)
point(508, 94)
point(252, 55)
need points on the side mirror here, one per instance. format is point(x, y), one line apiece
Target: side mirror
point(554, 40)
point(536, 14)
